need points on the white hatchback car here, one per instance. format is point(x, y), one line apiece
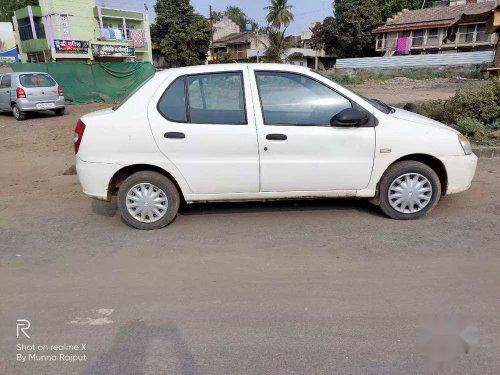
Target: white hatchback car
point(263, 132)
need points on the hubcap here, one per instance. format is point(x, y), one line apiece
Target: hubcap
point(410, 193)
point(147, 203)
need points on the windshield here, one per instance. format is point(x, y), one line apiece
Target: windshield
point(36, 80)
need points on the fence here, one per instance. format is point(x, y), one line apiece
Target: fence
point(417, 61)
point(101, 82)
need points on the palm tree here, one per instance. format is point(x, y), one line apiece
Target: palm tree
point(278, 46)
point(279, 13)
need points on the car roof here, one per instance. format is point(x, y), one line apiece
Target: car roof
point(213, 68)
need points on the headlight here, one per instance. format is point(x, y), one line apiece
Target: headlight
point(464, 142)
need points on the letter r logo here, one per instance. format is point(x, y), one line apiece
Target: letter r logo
point(23, 325)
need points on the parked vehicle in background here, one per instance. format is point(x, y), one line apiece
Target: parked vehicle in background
point(30, 92)
point(259, 132)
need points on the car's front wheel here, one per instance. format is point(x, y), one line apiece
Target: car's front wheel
point(148, 200)
point(409, 190)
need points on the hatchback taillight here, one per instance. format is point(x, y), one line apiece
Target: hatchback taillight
point(77, 137)
point(59, 90)
point(20, 93)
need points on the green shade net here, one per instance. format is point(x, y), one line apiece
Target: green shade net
point(87, 83)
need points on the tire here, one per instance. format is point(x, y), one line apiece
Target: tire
point(129, 199)
point(59, 111)
point(18, 114)
point(421, 177)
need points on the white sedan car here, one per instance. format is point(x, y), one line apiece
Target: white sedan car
point(263, 132)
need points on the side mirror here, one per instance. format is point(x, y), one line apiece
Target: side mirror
point(349, 117)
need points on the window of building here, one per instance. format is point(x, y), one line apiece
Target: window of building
point(469, 36)
point(418, 38)
point(481, 35)
point(433, 36)
point(216, 98)
point(293, 99)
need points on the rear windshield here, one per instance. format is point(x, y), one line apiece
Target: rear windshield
point(37, 80)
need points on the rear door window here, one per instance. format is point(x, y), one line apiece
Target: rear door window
point(36, 80)
point(5, 82)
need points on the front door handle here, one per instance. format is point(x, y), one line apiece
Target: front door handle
point(175, 135)
point(277, 137)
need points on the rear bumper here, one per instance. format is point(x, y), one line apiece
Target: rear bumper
point(95, 177)
point(26, 105)
point(461, 171)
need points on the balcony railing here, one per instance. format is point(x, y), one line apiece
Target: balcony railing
point(238, 55)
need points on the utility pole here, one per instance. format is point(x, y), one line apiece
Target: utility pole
point(258, 52)
point(212, 54)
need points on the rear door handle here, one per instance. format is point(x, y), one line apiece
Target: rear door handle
point(277, 137)
point(175, 135)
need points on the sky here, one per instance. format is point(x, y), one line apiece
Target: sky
point(305, 11)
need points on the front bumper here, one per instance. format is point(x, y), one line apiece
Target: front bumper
point(461, 171)
point(95, 177)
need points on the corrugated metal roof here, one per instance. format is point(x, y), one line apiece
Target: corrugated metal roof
point(436, 15)
point(423, 61)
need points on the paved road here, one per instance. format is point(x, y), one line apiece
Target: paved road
point(289, 287)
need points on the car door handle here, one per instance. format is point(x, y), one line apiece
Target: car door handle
point(175, 135)
point(277, 137)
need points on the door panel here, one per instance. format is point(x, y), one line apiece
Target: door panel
point(311, 155)
point(5, 91)
point(217, 152)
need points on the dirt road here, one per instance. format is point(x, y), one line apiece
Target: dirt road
point(290, 287)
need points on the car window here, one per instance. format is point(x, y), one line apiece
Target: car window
point(294, 99)
point(36, 80)
point(6, 80)
point(172, 104)
point(216, 98)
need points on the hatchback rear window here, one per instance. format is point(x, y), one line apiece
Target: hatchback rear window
point(37, 80)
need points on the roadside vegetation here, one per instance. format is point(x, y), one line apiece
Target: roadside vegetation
point(363, 76)
point(473, 111)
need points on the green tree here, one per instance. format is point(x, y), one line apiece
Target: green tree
point(7, 8)
point(278, 46)
point(182, 34)
point(279, 13)
point(388, 8)
point(238, 16)
point(349, 33)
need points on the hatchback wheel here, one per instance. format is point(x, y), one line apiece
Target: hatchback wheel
point(18, 114)
point(59, 111)
point(148, 200)
point(409, 190)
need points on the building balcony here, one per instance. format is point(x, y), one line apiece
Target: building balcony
point(419, 43)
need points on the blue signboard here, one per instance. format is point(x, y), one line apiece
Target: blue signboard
point(8, 50)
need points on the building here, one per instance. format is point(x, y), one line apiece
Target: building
point(425, 30)
point(232, 43)
point(78, 30)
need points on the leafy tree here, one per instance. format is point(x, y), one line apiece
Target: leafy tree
point(238, 16)
point(278, 46)
point(279, 13)
point(388, 8)
point(7, 8)
point(348, 34)
point(183, 36)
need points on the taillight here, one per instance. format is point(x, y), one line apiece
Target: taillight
point(77, 137)
point(20, 93)
point(59, 90)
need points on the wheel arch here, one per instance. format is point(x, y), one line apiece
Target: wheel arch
point(432, 162)
point(125, 172)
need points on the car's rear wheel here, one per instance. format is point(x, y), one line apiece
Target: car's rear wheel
point(59, 111)
point(148, 200)
point(18, 114)
point(409, 190)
